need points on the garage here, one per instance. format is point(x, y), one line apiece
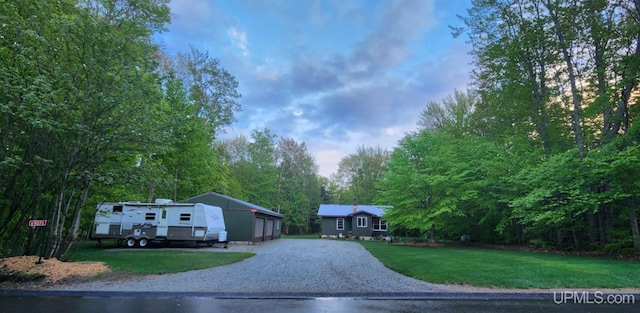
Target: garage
point(246, 222)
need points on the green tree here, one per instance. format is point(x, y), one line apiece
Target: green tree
point(357, 174)
point(78, 81)
point(557, 78)
point(298, 187)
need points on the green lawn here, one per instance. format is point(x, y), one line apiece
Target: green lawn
point(153, 261)
point(507, 269)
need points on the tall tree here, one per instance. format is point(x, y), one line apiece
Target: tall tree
point(210, 88)
point(559, 75)
point(298, 187)
point(357, 174)
point(79, 82)
point(453, 115)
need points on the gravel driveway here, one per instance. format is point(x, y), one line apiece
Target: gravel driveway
point(280, 266)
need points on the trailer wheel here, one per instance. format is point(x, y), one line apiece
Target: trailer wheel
point(143, 242)
point(131, 242)
point(99, 243)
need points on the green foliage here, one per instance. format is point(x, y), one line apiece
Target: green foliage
point(357, 175)
point(79, 78)
point(279, 175)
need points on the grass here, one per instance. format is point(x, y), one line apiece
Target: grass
point(150, 261)
point(506, 269)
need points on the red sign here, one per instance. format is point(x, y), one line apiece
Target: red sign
point(37, 223)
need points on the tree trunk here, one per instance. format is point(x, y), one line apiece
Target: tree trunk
point(591, 226)
point(175, 185)
point(633, 220)
point(575, 94)
point(433, 233)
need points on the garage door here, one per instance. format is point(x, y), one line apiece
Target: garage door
point(269, 229)
point(259, 230)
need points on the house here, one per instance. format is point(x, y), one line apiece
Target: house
point(246, 222)
point(359, 221)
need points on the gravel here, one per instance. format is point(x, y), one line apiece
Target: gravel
point(279, 266)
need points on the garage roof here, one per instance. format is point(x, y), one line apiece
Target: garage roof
point(245, 204)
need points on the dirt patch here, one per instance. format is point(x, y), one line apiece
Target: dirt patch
point(25, 270)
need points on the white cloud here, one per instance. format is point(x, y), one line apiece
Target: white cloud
point(239, 39)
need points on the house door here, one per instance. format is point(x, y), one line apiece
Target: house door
point(163, 225)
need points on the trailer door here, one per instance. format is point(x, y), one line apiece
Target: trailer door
point(163, 224)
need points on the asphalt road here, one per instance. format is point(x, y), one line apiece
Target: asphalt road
point(97, 302)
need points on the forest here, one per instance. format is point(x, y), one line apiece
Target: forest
point(541, 149)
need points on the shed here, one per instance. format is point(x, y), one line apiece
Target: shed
point(246, 222)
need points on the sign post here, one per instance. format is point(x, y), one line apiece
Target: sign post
point(34, 224)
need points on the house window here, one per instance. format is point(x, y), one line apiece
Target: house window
point(185, 217)
point(117, 209)
point(379, 224)
point(340, 223)
point(150, 216)
point(362, 221)
point(277, 224)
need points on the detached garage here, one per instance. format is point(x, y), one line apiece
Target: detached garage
point(245, 221)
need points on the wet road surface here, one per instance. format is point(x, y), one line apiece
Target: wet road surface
point(70, 302)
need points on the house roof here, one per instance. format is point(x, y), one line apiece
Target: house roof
point(246, 204)
point(347, 209)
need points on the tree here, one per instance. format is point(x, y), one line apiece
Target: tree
point(453, 115)
point(298, 187)
point(559, 75)
point(280, 175)
point(210, 88)
point(358, 173)
point(79, 85)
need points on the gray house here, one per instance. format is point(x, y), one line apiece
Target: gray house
point(344, 220)
point(246, 222)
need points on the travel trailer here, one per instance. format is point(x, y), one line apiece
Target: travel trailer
point(138, 224)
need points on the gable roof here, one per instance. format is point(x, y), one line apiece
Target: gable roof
point(214, 197)
point(347, 210)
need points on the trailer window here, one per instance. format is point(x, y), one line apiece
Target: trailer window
point(117, 209)
point(150, 216)
point(164, 214)
point(185, 216)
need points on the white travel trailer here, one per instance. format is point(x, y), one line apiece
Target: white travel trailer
point(137, 224)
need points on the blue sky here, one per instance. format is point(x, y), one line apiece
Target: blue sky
point(335, 74)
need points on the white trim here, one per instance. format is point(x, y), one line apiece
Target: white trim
point(378, 226)
point(361, 224)
point(338, 224)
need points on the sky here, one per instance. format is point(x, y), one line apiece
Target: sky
point(334, 74)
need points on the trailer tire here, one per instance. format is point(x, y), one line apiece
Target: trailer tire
point(131, 242)
point(143, 242)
